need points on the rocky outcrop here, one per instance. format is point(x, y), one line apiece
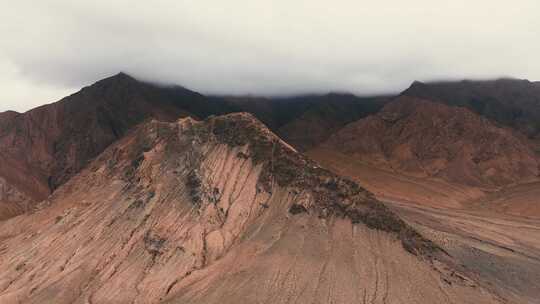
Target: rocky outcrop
point(207, 212)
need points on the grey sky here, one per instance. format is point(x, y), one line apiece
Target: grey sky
point(49, 49)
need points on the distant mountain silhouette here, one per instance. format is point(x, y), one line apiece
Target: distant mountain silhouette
point(424, 138)
point(306, 121)
point(510, 102)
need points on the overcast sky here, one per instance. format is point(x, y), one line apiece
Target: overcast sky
point(49, 49)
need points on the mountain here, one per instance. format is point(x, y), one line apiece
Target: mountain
point(462, 180)
point(329, 114)
point(42, 148)
point(510, 102)
point(220, 211)
point(421, 138)
point(63, 137)
point(307, 121)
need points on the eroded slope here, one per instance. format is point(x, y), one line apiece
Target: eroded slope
point(219, 211)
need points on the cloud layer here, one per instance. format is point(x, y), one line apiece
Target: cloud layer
point(281, 47)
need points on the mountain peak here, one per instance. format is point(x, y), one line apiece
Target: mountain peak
point(9, 113)
point(415, 86)
point(118, 78)
point(280, 167)
point(123, 75)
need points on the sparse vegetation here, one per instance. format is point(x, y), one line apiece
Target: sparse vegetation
point(194, 184)
point(153, 244)
point(297, 209)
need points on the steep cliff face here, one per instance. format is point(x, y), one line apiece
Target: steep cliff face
point(422, 138)
point(41, 149)
point(219, 211)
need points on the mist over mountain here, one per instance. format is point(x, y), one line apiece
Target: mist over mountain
point(51, 48)
point(286, 151)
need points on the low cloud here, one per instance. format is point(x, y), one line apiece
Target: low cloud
point(282, 47)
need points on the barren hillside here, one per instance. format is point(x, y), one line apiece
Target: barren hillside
point(426, 139)
point(513, 103)
point(220, 211)
point(42, 148)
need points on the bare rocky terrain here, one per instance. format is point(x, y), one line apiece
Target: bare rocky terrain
point(509, 102)
point(131, 192)
point(427, 139)
point(43, 148)
point(220, 211)
point(434, 166)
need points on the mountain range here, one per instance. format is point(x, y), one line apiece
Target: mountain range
point(134, 192)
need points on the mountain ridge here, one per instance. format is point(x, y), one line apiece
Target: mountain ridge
point(426, 138)
point(53, 142)
point(510, 102)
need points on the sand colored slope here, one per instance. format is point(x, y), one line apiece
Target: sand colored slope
point(307, 261)
point(490, 233)
point(502, 249)
point(521, 200)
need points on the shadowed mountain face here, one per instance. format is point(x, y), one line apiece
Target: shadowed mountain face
point(307, 121)
point(427, 139)
point(42, 148)
point(220, 211)
point(512, 103)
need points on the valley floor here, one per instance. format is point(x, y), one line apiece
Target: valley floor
point(495, 234)
point(503, 250)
